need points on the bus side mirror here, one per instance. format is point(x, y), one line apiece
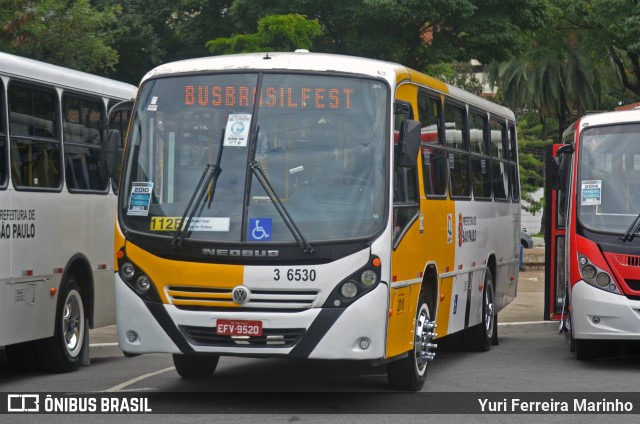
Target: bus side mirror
point(561, 166)
point(112, 142)
point(409, 143)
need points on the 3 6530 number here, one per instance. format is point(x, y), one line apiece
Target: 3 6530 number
point(295, 274)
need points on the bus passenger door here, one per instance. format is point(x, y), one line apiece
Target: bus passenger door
point(407, 231)
point(555, 229)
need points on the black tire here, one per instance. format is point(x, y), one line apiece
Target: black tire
point(22, 356)
point(410, 372)
point(481, 336)
point(195, 367)
point(494, 338)
point(63, 352)
point(584, 350)
point(568, 333)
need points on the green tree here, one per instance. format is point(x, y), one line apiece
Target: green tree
point(151, 33)
point(531, 151)
point(557, 79)
point(201, 21)
point(458, 74)
point(611, 29)
point(416, 33)
point(70, 33)
point(557, 76)
point(276, 32)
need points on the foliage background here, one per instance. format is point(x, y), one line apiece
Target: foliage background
point(551, 61)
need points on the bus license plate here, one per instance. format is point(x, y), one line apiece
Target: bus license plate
point(225, 327)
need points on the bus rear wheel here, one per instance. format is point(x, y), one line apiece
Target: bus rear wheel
point(410, 372)
point(194, 366)
point(485, 334)
point(63, 352)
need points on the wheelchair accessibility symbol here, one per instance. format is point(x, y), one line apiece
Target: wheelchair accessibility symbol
point(260, 229)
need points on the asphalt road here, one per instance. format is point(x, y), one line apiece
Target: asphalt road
point(531, 360)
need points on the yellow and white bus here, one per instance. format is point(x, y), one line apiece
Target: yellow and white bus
point(57, 208)
point(313, 206)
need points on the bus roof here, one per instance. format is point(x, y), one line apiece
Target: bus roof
point(320, 62)
point(604, 118)
point(622, 116)
point(32, 70)
point(323, 62)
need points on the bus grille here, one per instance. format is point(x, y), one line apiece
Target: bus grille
point(201, 298)
point(633, 260)
point(271, 337)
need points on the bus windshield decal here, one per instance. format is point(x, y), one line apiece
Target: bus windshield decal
point(172, 223)
point(237, 132)
point(315, 98)
point(140, 198)
point(591, 192)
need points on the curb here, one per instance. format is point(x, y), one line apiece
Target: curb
point(530, 325)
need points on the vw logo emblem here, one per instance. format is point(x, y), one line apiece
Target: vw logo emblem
point(240, 295)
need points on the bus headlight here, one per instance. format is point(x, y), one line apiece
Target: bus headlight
point(603, 279)
point(368, 278)
point(588, 272)
point(128, 270)
point(143, 284)
point(596, 276)
point(136, 279)
point(352, 287)
point(349, 289)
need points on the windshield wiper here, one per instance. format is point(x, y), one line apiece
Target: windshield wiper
point(208, 179)
point(632, 230)
point(295, 231)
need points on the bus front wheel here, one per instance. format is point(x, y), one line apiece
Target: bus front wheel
point(63, 351)
point(194, 366)
point(410, 372)
point(584, 350)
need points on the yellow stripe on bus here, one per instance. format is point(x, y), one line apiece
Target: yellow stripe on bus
point(169, 273)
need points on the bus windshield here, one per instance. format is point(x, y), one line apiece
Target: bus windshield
point(609, 177)
point(319, 141)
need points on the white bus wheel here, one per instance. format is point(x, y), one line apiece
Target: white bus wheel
point(63, 351)
point(483, 335)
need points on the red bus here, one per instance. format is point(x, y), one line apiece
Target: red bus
point(592, 237)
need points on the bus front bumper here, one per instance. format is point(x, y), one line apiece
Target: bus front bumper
point(599, 315)
point(357, 332)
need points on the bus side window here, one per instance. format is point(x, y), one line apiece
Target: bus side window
point(500, 167)
point(85, 168)
point(514, 180)
point(3, 139)
point(434, 162)
point(35, 144)
point(480, 161)
point(457, 150)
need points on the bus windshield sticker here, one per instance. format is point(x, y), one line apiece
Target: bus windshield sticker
point(237, 132)
point(260, 229)
point(154, 104)
point(172, 223)
point(140, 198)
point(591, 192)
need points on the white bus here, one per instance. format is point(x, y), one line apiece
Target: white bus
point(318, 206)
point(57, 207)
